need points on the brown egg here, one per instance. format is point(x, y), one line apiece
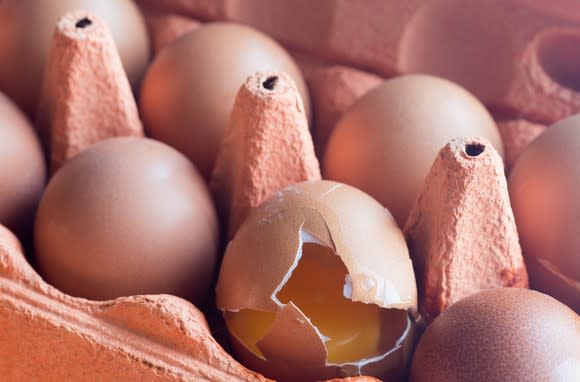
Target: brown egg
point(543, 186)
point(501, 335)
point(22, 169)
point(189, 90)
point(318, 283)
point(387, 141)
point(127, 216)
point(26, 28)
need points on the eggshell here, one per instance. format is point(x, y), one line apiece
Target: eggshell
point(189, 89)
point(549, 278)
point(291, 329)
point(337, 215)
point(386, 142)
point(22, 169)
point(26, 27)
point(333, 90)
point(507, 334)
point(266, 147)
point(516, 135)
point(267, 247)
point(127, 216)
point(166, 27)
point(296, 337)
point(461, 231)
point(543, 188)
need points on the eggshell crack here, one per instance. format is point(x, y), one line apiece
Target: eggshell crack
point(378, 272)
point(294, 350)
point(293, 330)
point(326, 210)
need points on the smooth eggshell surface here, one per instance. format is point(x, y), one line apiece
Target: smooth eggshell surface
point(387, 141)
point(543, 187)
point(22, 168)
point(127, 216)
point(508, 334)
point(189, 90)
point(26, 29)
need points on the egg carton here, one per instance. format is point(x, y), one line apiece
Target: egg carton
point(344, 48)
point(517, 56)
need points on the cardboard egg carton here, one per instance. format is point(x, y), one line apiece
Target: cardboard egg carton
point(48, 335)
point(516, 56)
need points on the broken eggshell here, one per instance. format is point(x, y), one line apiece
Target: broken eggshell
point(269, 248)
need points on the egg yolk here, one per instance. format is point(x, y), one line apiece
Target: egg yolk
point(353, 329)
point(249, 326)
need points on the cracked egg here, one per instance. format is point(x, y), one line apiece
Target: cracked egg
point(317, 283)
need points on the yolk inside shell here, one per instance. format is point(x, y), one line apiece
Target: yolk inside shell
point(249, 326)
point(315, 287)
